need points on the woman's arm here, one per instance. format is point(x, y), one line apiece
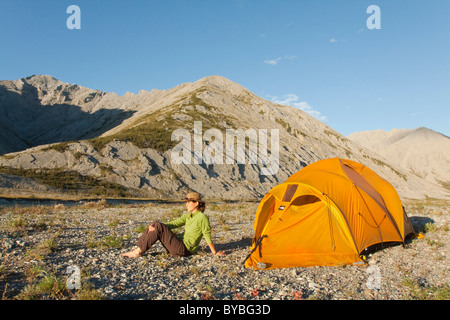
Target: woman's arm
point(181, 221)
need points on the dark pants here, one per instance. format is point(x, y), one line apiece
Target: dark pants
point(167, 238)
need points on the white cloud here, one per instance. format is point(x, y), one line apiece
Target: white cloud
point(291, 99)
point(274, 62)
point(333, 40)
point(290, 57)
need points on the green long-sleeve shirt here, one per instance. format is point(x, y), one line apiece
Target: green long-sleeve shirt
point(196, 225)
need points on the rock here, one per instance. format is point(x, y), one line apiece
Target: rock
point(313, 286)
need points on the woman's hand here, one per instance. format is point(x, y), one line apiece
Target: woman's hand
point(214, 252)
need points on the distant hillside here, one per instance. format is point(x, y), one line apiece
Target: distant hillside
point(41, 109)
point(73, 140)
point(422, 151)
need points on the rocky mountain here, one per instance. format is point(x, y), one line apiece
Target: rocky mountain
point(40, 110)
point(423, 151)
point(212, 136)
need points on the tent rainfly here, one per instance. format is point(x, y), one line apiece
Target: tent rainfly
point(329, 213)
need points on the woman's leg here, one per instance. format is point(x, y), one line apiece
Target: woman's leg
point(167, 238)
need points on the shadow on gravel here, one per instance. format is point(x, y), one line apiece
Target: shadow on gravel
point(419, 223)
point(241, 244)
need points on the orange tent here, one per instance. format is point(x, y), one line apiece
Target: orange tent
point(328, 213)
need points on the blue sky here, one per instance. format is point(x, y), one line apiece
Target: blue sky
point(316, 55)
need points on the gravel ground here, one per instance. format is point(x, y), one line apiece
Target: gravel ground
point(41, 246)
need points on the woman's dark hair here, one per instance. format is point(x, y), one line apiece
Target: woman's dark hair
point(201, 206)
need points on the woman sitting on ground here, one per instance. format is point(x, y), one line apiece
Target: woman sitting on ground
point(196, 224)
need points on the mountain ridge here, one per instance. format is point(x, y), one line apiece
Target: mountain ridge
point(125, 142)
point(423, 151)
